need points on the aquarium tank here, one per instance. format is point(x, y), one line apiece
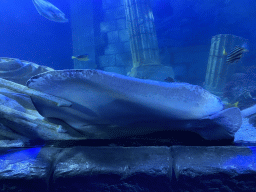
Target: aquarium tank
point(114, 95)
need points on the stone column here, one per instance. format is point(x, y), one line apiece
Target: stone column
point(83, 32)
point(218, 71)
point(143, 41)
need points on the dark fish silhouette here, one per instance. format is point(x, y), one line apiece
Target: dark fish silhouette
point(49, 11)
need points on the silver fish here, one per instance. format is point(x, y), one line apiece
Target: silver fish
point(49, 11)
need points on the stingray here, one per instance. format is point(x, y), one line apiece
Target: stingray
point(101, 100)
point(49, 11)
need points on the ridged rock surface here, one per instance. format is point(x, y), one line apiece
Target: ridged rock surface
point(176, 168)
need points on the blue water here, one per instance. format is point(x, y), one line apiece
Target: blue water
point(199, 20)
point(26, 35)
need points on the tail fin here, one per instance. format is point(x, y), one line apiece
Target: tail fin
point(73, 57)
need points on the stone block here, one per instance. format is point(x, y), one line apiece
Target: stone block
point(121, 24)
point(229, 168)
point(117, 48)
point(127, 47)
point(26, 169)
point(112, 49)
point(113, 37)
point(107, 60)
point(108, 26)
point(124, 59)
point(124, 35)
point(113, 169)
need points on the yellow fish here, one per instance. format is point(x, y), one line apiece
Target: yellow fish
point(224, 51)
point(81, 57)
point(236, 104)
point(229, 105)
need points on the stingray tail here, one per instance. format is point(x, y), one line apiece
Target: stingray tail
point(223, 125)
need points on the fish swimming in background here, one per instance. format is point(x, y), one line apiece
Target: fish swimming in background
point(81, 57)
point(236, 54)
point(49, 11)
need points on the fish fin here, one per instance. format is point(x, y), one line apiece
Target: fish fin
point(225, 124)
point(73, 57)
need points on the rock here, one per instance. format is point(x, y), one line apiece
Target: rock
point(113, 169)
point(19, 71)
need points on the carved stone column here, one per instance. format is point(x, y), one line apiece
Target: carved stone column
point(218, 71)
point(143, 41)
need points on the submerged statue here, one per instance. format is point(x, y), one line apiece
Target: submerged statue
point(49, 11)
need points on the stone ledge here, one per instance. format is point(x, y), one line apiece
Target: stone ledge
point(176, 168)
point(215, 168)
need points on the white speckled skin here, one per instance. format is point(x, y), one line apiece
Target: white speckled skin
point(100, 97)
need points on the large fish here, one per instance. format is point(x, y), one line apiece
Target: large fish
point(134, 105)
point(49, 11)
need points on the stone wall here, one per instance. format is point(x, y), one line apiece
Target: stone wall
point(128, 169)
point(117, 53)
point(111, 51)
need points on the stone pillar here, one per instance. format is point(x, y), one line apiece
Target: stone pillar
point(218, 71)
point(83, 32)
point(143, 41)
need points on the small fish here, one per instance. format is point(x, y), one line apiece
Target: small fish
point(81, 57)
point(224, 51)
point(229, 105)
point(236, 104)
point(236, 54)
point(49, 11)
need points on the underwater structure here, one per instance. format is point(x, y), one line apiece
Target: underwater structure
point(143, 40)
point(123, 41)
point(218, 70)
